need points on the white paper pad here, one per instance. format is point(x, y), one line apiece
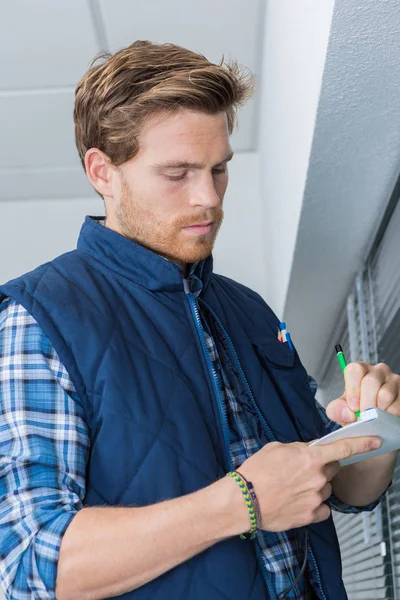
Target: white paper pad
point(374, 422)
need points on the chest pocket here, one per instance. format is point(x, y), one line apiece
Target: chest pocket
point(275, 353)
point(291, 382)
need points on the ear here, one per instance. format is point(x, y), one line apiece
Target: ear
point(99, 171)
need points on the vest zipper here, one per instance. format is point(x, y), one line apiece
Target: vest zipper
point(265, 424)
point(241, 372)
point(214, 376)
point(316, 570)
point(222, 409)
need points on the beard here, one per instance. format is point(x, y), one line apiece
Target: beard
point(166, 237)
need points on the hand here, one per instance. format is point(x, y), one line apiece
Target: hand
point(366, 386)
point(292, 481)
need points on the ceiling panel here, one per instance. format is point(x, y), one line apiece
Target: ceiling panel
point(36, 130)
point(227, 27)
point(35, 231)
point(199, 26)
point(46, 43)
point(43, 184)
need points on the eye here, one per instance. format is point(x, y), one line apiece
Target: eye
point(220, 171)
point(176, 177)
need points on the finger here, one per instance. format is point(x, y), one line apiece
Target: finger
point(326, 492)
point(353, 375)
point(322, 513)
point(370, 386)
point(338, 411)
point(346, 448)
point(387, 395)
point(332, 469)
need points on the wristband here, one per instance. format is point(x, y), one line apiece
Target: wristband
point(254, 499)
point(249, 503)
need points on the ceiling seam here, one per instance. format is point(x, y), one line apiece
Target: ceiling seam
point(66, 89)
point(99, 25)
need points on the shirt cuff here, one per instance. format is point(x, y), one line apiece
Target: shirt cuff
point(342, 507)
point(37, 573)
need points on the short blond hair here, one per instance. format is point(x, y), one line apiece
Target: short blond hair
point(113, 99)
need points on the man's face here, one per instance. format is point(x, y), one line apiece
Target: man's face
point(177, 180)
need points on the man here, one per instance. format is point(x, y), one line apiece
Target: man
point(133, 379)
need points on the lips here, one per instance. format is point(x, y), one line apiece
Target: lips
point(200, 228)
point(205, 224)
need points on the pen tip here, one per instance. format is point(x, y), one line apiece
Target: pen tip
point(338, 348)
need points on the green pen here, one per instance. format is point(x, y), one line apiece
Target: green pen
point(343, 365)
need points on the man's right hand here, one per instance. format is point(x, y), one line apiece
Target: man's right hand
point(293, 481)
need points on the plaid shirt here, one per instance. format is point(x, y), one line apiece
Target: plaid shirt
point(281, 553)
point(44, 446)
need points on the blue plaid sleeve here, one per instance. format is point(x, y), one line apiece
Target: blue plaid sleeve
point(44, 445)
point(329, 427)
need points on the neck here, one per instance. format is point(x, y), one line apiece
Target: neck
point(182, 265)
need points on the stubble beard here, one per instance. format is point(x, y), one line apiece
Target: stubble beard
point(167, 239)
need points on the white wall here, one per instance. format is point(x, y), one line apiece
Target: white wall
point(354, 165)
point(239, 251)
point(34, 231)
point(296, 38)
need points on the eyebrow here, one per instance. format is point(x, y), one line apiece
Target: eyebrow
point(184, 164)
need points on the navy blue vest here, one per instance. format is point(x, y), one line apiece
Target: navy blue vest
point(123, 326)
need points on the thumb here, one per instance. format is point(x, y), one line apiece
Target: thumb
point(338, 411)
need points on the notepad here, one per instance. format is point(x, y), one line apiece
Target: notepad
point(373, 421)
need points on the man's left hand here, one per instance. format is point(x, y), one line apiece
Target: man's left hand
point(366, 386)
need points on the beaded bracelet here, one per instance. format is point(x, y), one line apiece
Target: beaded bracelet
point(249, 503)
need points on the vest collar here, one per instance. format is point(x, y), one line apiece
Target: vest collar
point(137, 263)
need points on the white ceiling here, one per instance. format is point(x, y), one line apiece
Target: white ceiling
point(328, 171)
point(48, 45)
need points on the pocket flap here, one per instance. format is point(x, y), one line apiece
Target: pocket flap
point(274, 351)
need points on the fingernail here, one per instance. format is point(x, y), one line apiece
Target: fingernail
point(347, 415)
point(376, 443)
point(354, 403)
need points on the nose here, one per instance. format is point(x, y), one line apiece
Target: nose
point(205, 194)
